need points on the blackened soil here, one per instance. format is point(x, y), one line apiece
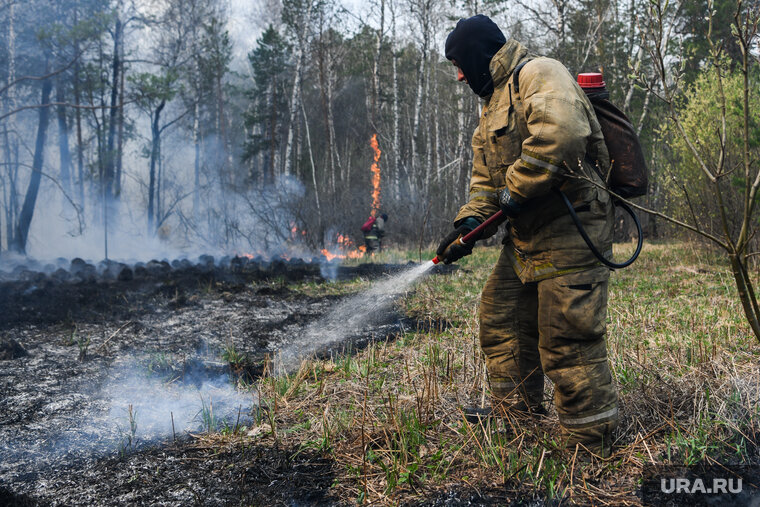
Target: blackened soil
point(61, 297)
point(191, 475)
point(47, 300)
point(63, 342)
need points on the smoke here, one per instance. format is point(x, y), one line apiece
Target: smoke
point(329, 270)
point(54, 234)
point(226, 222)
point(272, 222)
point(196, 403)
point(134, 408)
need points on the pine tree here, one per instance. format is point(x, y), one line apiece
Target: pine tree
point(266, 117)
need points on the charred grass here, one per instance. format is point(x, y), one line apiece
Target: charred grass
point(389, 418)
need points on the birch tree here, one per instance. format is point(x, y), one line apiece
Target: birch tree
point(297, 15)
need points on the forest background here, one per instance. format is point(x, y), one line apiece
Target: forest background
point(136, 128)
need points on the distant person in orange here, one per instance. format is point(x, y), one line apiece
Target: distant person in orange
point(374, 230)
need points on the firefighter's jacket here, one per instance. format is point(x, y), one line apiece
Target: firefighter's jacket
point(377, 231)
point(532, 140)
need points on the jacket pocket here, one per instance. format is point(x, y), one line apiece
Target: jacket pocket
point(503, 140)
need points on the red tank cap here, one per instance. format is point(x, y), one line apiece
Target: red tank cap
point(591, 80)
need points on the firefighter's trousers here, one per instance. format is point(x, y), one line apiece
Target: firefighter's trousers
point(555, 327)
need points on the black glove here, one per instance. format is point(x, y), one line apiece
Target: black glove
point(508, 205)
point(451, 249)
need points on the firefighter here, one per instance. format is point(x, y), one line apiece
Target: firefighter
point(374, 231)
point(543, 308)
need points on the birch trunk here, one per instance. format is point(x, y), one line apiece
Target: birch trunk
point(11, 61)
point(78, 116)
point(120, 132)
point(313, 168)
point(159, 185)
point(561, 6)
point(632, 81)
point(273, 151)
point(325, 90)
point(63, 128)
point(424, 20)
point(11, 147)
point(298, 145)
point(197, 157)
point(334, 154)
point(376, 67)
point(226, 161)
point(395, 184)
point(437, 159)
point(417, 109)
point(644, 110)
point(294, 96)
point(428, 136)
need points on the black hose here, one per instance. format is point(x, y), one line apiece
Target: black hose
point(591, 246)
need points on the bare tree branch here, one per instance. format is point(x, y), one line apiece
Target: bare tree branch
point(696, 230)
point(41, 78)
point(63, 104)
point(69, 199)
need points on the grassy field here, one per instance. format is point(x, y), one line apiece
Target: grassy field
point(391, 415)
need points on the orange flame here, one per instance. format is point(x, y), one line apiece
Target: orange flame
point(295, 232)
point(344, 249)
point(375, 176)
point(330, 256)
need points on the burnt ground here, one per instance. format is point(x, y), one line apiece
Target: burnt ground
point(72, 348)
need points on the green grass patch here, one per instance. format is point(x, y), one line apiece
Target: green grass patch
point(684, 360)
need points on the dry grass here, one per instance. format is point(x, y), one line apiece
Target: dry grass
point(391, 415)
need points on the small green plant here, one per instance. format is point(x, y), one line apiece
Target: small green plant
point(129, 437)
point(208, 420)
point(132, 422)
point(83, 345)
point(158, 364)
point(71, 338)
point(233, 356)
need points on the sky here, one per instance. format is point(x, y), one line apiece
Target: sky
point(248, 18)
point(244, 26)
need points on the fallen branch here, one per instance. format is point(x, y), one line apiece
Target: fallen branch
point(114, 335)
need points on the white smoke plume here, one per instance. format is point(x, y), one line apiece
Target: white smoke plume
point(132, 409)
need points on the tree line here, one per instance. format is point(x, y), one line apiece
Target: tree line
point(145, 113)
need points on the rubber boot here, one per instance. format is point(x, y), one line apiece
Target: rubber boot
point(590, 442)
point(505, 408)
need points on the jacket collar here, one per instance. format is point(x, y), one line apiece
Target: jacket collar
point(505, 60)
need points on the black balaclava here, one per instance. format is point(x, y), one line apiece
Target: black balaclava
point(472, 44)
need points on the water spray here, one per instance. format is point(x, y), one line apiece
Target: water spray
point(356, 314)
point(471, 236)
